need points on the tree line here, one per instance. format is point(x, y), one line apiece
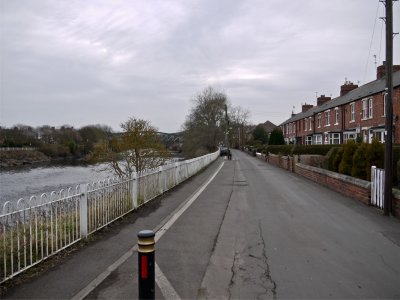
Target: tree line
point(55, 142)
point(211, 122)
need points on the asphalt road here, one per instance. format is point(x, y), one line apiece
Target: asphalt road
point(256, 231)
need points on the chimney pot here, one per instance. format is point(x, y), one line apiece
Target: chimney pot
point(306, 107)
point(347, 87)
point(322, 99)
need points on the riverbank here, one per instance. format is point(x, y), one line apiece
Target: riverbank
point(9, 159)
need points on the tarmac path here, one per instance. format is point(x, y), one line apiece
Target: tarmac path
point(254, 231)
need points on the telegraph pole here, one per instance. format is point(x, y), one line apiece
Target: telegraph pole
point(387, 208)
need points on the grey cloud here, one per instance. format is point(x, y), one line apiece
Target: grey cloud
point(79, 63)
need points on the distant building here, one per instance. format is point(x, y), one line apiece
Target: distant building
point(357, 112)
point(267, 125)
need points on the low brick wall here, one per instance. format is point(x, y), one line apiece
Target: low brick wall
point(285, 162)
point(347, 185)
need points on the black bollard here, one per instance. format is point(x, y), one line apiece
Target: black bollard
point(146, 262)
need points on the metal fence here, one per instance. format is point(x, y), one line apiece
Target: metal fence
point(36, 229)
point(377, 186)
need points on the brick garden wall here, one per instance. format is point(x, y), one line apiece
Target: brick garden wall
point(347, 185)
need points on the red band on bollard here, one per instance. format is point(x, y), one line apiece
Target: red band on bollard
point(143, 271)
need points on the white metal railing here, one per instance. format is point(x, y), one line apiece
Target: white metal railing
point(377, 186)
point(36, 229)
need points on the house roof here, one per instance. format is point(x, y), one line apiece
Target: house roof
point(268, 126)
point(371, 88)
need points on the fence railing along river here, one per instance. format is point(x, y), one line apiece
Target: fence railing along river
point(41, 226)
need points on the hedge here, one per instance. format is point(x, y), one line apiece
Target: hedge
point(312, 149)
point(333, 159)
point(296, 149)
point(396, 158)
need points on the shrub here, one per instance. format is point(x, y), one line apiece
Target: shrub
point(398, 173)
point(54, 150)
point(312, 149)
point(276, 137)
point(396, 157)
point(346, 163)
point(280, 149)
point(330, 159)
point(360, 164)
point(375, 156)
point(338, 158)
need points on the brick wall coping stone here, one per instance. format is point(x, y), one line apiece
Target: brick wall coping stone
point(359, 182)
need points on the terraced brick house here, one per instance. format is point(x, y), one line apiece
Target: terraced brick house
point(359, 111)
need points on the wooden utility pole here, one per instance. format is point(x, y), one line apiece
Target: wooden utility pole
point(387, 207)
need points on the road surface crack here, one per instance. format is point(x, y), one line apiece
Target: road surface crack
point(234, 271)
point(270, 284)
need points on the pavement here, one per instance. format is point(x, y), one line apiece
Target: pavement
point(240, 229)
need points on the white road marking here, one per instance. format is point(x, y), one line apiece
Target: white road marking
point(165, 286)
point(162, 282)
point(175, 217)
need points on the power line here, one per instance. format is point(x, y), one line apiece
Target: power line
point(380, 42)
point(370, 44)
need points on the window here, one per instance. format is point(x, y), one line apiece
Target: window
point(318, 139)
point(310, 121)
point(308, 140)
point(319, 121)
point(336, 116)
point(334, 138)
point(349, 136)
point(352, 112)
point(287, 128)
point(364, 109)
point(379, 135)
point(370, 108)
point(305, 124)
point(327, 118)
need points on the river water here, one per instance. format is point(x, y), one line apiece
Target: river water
point(27, 181)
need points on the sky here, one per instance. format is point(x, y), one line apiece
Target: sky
point(101, 62)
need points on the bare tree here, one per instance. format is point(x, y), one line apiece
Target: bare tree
point(239, 119)
point(136, 149)
point(204, 126)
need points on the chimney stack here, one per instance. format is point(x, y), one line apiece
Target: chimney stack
point(381, 70)
point(322, 99)
point(347, 87)
point(306, 107)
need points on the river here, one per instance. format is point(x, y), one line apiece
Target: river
point(27, 181)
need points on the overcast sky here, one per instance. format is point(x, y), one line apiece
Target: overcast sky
point(88, 62)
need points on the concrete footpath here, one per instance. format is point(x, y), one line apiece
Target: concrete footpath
point(76, 272)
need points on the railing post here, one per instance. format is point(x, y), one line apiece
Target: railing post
point(177, 177)
point(373, 185)
point(160, 180)
point(134, 190)
point(83, 210)
point(146, 263)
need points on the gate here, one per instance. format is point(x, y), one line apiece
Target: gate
point(377, 186)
